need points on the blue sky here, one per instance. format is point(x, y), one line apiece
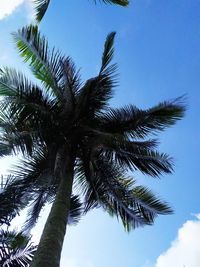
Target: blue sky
point(158, 53)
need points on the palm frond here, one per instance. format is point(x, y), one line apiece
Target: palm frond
point(22, 187)
point(40, 165)
point(147, 161)
point(5, 149)
point(138, 123)
point(70, 84)
point(16, 250)
point(46, 196)
point(24, 100)
point(41, 8)
point(27, 112)
point(45, 64)
point(93, 97)
point(40, 170)
point(108, 52)
point(135, 206)
point(42, 197)
point(117, 2)
point(134, 155)
point(6, 84)
point(19, 142)
point(75, 211)
point(13, 140)
point(11, 198)
point(107, 187)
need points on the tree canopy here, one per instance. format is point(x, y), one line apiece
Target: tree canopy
point(66, 128)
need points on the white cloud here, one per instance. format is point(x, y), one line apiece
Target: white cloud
point(185, 250)
point(7, 7)
point(30, 10)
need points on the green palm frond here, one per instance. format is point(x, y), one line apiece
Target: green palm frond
point(44, 63)
point(138, 123)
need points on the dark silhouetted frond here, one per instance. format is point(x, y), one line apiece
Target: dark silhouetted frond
point(108, 52)
point(76, 210)
point(139, 123)
point(104, 185)
point(16, 249)
point(41, 8)
point(117, 2)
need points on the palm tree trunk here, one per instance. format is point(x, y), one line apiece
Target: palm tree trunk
point(50, 246)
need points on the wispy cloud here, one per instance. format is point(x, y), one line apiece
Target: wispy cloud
point(185, 250)
point(148, 264)
point(30, 10)
point(7, 7)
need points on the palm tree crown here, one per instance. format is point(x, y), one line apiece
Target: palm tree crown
point(65, 128)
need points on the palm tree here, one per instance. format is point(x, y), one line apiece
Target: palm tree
point(77, 150)
point(41, 6)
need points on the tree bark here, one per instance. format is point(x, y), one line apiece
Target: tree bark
point(51, 242)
